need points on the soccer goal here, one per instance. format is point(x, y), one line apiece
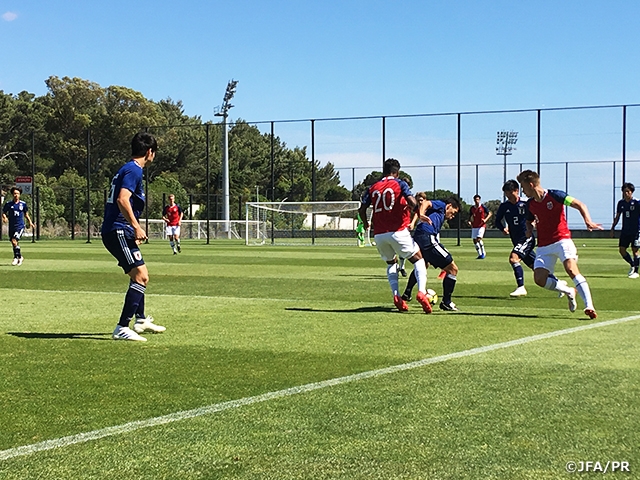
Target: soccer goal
point(197, 229)
point(302, 223)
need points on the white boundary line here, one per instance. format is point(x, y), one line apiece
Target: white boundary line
point(218, 407)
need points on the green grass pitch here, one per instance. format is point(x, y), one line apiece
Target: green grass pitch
point(248, 321)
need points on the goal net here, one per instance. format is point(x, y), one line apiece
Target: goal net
point(197, 229)
point(302, 223)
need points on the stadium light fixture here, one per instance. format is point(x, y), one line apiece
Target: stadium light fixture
point(223, 112)
point(505, 145)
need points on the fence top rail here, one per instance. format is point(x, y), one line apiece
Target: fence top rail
point(408, 115)
point(493, 164)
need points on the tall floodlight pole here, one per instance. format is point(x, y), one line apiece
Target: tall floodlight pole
point(224, 113)
point(505, 144)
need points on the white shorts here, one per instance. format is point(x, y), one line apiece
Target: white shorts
point(175, 230)
point(562, 250)
point(399, 243)
point(478, 232)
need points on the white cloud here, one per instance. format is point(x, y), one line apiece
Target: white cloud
point(9, 16)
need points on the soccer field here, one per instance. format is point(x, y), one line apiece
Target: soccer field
point(292, 362)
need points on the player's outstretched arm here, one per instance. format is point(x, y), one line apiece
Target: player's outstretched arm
point(31, 224)
point(486, 220)
point(424, 206)
point(584, 211)
point(615, 222)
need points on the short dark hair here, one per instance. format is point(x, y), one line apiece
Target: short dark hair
point(141, 143)
point(15, 189)
point(454, 202)
point(476, 196)
point(511, 186)
point(629, 186)
point(391, 166)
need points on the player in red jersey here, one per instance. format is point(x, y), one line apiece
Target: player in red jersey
point(392, 204)
point(479, 215)
point(172, 216)
point(546, 209)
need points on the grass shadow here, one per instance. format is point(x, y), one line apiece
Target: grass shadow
point(376, 309)
point(54, 336)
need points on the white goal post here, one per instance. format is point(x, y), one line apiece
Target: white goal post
point(302, 223)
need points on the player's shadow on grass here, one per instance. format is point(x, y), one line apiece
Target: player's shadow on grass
point(493, 314)
point(346, 310)
point(485, 297)
point(393, 310)
point(55, 336)
point(363, 277)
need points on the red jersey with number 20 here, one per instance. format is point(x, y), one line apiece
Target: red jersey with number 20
point(551, 222)
point(388, 198)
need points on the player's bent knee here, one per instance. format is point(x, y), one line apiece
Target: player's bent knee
point(540, 276)
point(417, 256)
point(140, 275)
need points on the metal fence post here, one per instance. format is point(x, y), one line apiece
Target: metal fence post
point(37, 232)
point(73, 214)
point(89, 185)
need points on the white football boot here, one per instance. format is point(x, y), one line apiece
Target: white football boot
point(125, 333)
point(573, 304)
point(146, 325)
point(519, 292)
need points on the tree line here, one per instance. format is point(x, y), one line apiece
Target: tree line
point(78, 122)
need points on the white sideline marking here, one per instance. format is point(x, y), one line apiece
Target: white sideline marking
point(218, 407)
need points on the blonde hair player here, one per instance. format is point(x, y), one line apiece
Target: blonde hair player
point(546, 209)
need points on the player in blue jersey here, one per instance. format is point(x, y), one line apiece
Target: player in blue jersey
point(629, 209)
point(511, 219)
point(121, 234)
point(432, 215)
point(14, 212)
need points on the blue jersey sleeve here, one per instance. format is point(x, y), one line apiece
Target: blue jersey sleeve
point(6, 208)
point(130, 179)
point(404, 188)
point(560, 197)
point(438, 206)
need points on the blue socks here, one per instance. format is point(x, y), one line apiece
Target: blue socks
point(132, 301)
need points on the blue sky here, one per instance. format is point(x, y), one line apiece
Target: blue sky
point(314, 59)
point(319, 59)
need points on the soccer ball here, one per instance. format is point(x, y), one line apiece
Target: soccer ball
point(433, 296)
